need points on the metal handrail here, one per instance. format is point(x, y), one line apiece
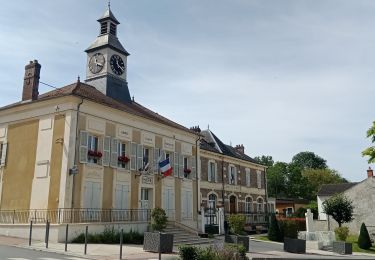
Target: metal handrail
point(76, 215)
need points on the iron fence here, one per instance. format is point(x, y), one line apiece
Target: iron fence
point(254, 218)
point(83, 215)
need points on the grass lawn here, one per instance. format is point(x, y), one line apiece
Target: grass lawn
point(354, 239)
point(263, 238)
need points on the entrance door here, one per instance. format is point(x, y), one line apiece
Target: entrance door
point(232, 204)
point(91, 200)
point(168, 202)
point(144, 203)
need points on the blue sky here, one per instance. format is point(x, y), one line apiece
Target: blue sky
point(279, 77)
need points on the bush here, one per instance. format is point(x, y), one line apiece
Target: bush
point(159, 219)
point(364, 240)
point(274, 233)
point(239, 250)
point(110, 236)
point(188, 252)
point(237, 223)
point(342, 233)
point(300, 213)
point(208, 253)
point(289, 228)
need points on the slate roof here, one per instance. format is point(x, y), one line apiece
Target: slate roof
point(89, 92)
point(212, 143)
point(332, 189)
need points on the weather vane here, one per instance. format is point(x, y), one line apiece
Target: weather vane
point(109, 5)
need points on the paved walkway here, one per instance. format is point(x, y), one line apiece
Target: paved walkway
point(258, 249)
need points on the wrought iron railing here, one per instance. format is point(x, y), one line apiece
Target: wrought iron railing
point(64, 215)
point(254, 218)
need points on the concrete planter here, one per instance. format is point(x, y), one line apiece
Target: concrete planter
point(152, 240)
point(342, 248)
point(294, 245)
point(235, 239)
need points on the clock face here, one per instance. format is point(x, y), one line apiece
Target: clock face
point(117, 64)
point(96, 63)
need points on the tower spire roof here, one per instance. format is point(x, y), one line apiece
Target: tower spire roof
point(108, 15)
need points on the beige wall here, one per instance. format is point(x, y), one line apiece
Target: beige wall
point(56, 162)
point(19, 171)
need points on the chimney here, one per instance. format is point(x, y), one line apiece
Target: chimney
point(370, 173)
point(31, 81)
point(240, 148)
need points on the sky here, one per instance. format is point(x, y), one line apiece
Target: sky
point(279, 77)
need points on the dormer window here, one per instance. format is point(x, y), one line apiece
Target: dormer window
point(103, 28)
point(112, 29)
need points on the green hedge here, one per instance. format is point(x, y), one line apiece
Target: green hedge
point(110, 236)
point(230, 251)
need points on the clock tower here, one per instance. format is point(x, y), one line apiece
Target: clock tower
point(107, 61)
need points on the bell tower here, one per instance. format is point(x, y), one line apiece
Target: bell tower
point(106, 68)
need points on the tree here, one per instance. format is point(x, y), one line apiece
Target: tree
point(274, 232)
point(264, 160)
point(306, 160)
point(277, 179)
point(340, 208)
point(370, 151)
point(317, 177)
point(297, 185)
point(159, 219)
point(364, 240)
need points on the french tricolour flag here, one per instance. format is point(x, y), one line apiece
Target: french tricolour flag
point(165, 167)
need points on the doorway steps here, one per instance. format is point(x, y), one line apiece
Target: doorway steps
point(184, 237)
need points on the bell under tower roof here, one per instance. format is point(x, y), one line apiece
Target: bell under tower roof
point(108, 34)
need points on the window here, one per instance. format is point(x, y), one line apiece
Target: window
point(146, 158)
point(259, 179)
point(93, 145)
point(248, 203)
point(1, 153)
point(103, 28)
point(186, 168)
point(247, 170)
point(121, 152)
point(112, 29)
point(232, 175)
point(133, 158)
point(260, 204)
point(212, 172)
point(212, 201)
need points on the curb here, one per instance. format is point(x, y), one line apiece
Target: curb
point(48, 250)
point(271, 242)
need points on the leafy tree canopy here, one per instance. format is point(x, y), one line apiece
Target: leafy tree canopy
point(340, 208)
point(370, 151)
point(305, 160)
point(265, 160)
point(277, 176)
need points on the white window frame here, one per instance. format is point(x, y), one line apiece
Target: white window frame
point(91, 147)
point(211, 203)
point(248, 204)
point(260, 205)
point(185, 165)
point(212, 171)
point(232, 169)
point(123, 152)
point(3, 148)
point(248, 177)
point(259, 179)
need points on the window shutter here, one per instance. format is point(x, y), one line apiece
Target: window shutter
point(235, 175)
point(100, 148)
point(139, 157)
point(259, 179)
point(133, 157)
point(193, 168)
point(175, 169)
point(83, 149)
point(229, 174)
point(181, 166)
point(215, 172)
point(156, 159)
point(209, 172)
point(3, 155)
point(127, 154)
point(106, 150)
point(114, 153)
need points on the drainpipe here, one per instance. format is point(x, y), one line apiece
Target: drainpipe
point(197, 178)
point(76, 152)
point(223, 187)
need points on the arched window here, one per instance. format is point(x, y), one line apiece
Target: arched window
point(212, 201)
point(248, 203)
point(260, 204)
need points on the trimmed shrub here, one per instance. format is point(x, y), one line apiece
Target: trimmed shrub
point(342, 233)
point(110, 236)
point(364, 240)
point(159, 219)
point(237, 223)
point(289, 228)
point(274, 233)
point(188, 252)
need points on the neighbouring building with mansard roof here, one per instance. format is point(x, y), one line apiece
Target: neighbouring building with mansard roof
point(88, 152)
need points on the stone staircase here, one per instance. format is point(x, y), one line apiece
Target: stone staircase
point(184, 237)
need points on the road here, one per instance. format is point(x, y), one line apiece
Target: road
point(16, 253)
